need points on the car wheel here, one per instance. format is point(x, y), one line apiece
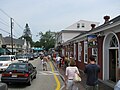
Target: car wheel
point(30, 80)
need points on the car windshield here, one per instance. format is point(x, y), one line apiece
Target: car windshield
point(22, 57)
point(17, 67)
point(4, 58)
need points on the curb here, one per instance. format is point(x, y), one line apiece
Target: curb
point(61, 76)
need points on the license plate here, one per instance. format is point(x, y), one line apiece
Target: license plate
point(14, 75)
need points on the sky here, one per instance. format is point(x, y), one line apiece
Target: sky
point(53, 15)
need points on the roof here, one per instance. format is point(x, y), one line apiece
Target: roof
point(109, 23)
point(15, 41)
point(116, 19)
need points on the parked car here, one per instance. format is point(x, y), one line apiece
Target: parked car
point(6, 60)
point(22, 58)
point(30, 56)
point(19, 73)
point(3, 86)
point(36, 55)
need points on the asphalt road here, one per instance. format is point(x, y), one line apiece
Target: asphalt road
point(45, 80)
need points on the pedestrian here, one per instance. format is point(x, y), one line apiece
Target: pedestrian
point(44, 63)
point(69, 76)
point(66, 62)
point(58, 61)
point(92, 70)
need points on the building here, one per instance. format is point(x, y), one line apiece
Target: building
point(73, 30)
point(3, 49)
point(17, 44)
point(1, 40)
point(104, 43)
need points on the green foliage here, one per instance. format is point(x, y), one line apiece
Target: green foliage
point(47, 40)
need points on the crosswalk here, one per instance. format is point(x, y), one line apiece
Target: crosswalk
point(47, 73)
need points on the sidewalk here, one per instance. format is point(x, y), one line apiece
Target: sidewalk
point(102, 86)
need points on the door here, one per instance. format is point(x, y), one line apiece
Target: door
point(113, 64)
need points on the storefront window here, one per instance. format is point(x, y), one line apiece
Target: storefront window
point(94, 53)
point(79, 51)
point(74, 51)
point(85, 52)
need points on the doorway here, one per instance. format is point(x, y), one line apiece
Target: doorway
point(113, 64)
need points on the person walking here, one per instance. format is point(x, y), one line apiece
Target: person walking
point(58, 61)
point(69, 76)
point(44, 63)
point(91, 71)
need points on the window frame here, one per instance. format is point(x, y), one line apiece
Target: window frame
point(85, 52)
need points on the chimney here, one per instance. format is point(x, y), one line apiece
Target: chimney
point(106, 18)
point(93, 26)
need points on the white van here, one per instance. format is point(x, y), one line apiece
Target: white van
point(6, 60)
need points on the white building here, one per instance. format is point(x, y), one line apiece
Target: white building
point(73, 30)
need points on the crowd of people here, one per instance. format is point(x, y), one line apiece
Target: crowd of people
point(91, 71)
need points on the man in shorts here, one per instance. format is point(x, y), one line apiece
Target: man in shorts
point(44, 63)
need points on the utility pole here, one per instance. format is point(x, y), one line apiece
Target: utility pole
point(11, 35)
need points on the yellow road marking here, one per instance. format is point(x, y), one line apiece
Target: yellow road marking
point(56, 78)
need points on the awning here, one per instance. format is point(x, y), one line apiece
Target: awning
point(37, 48)
point(2, 51)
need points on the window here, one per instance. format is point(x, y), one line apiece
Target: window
point(30, 67)
point(83, 25)
point(95, 54)
point(74, 51)
point(85, 52)
point(113, 42)
point(78, 25)
point(79, 51)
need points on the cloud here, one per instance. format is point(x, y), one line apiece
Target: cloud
point(42, 15)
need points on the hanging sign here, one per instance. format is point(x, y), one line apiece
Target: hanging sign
point(92, 41)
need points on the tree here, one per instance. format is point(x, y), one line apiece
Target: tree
point(27, 32)
point(47, 40)
point(27, 35)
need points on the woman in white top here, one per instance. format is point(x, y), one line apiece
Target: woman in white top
point(70, 72)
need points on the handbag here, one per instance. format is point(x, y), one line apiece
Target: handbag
point(76, 78)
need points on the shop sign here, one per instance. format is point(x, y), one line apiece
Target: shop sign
point(92, 41)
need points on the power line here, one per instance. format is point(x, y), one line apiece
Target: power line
point(18, 24)
point(4, 24)
point(12, 19)
point(4, 21)
point(4, 30)
point(5, 13)
point(7, 32)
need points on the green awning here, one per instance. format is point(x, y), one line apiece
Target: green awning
point(1, 50)
point(4, 50)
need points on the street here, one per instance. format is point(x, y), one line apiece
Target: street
point(45, 80)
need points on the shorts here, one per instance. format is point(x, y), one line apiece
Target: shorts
point(58, 62)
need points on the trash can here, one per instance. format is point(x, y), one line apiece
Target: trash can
point(117, 86)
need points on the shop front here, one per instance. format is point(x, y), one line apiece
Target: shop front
point(111, 57)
